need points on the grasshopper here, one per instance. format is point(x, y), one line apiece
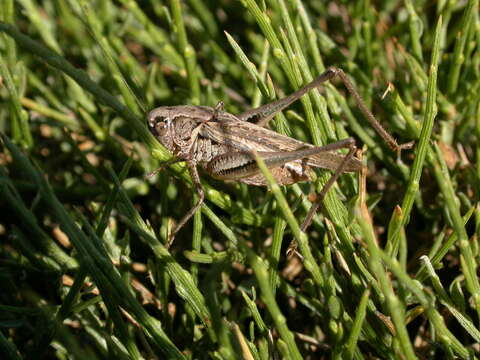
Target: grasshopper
point(224, 145)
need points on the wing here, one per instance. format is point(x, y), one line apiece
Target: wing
point(244, 136)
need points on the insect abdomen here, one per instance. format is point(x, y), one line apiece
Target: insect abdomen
point(232, 166)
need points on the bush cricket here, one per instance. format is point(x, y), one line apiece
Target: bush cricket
point(223, 144)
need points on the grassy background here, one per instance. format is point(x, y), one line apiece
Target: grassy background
point(390, 274)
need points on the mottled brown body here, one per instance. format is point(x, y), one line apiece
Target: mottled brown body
point(224, 144)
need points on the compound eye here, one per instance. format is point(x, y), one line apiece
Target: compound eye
point(157, 122)
point(157, 125)
point(161, 125)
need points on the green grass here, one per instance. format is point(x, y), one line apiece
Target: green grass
point(389, 273)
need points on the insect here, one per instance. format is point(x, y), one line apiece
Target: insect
point(222, 144)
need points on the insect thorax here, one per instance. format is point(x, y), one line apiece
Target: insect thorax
point(204, 150)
